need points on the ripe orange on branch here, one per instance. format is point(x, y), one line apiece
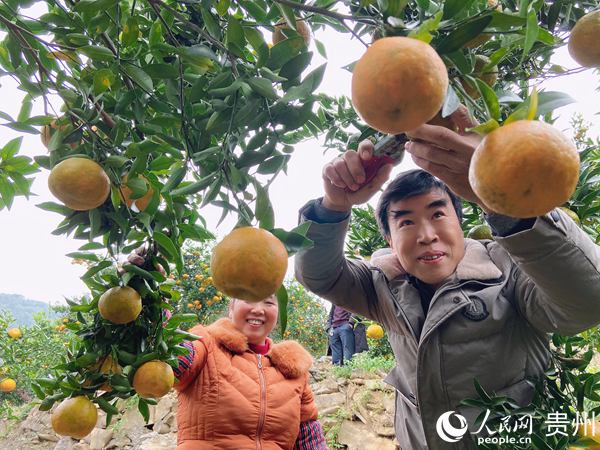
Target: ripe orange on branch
point(80, 183)
point(14, 333)
point(8, 385)
point(524, 169)
point(301, 27)
point(399, 84)
point(583, 42)
point(249, 264)
point(120, 305)
point(75, 417)
point(140, 203)
point(153, 379)
point(375, 331)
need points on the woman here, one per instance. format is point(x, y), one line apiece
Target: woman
point(238, 390)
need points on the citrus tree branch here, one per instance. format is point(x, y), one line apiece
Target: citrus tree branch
point(325, 12)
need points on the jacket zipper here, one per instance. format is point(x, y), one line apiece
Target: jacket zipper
point(263, 401)
point(425, 337)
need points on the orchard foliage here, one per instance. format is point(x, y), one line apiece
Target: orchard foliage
point(189, 101)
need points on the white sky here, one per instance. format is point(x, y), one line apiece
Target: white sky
point(33, 261)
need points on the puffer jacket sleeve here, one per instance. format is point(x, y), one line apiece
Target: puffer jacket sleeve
point(557, 274)
point(192, 363)
point(308, 407)
point(324, 270)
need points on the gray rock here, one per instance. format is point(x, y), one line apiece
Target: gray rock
point(328, 386)
point(100, 437)
point(65, 443)
point(358, 436)
point(48, 437)
point(325, 401)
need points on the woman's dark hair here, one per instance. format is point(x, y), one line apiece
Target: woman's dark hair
point(409, 184)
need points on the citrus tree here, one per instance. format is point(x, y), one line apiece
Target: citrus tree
point(305, 321)
point(165, 107)
point(25, 356)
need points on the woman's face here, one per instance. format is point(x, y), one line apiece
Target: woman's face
point(256, 320)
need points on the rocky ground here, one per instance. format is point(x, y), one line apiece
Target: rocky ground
point(356, 412)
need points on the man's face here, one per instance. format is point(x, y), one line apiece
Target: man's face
point(426, 237)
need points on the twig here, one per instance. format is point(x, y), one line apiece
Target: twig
point(324, 12)
point(354, 33)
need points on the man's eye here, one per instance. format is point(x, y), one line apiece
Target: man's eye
point(404, 223)
point(439, 214)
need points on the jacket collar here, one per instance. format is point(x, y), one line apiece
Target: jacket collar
point(475, 265)
point(289, 357)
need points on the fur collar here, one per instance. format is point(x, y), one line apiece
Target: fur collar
point(289, 357)
point(475, 265)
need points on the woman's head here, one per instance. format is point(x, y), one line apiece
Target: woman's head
point(254, 319)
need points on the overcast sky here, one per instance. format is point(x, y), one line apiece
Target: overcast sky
point(33, 262)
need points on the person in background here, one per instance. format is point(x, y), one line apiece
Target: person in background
point(341, 335)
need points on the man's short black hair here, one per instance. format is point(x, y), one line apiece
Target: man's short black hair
point(409, 184)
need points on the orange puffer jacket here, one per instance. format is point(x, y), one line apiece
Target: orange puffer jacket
point(234, 399)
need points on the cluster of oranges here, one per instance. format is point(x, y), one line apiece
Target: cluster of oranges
point(401, 83)
point(199, 285)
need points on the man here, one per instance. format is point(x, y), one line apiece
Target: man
point(341, 335)
point(454, 310)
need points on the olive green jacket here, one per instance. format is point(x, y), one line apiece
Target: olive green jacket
point(489, 321)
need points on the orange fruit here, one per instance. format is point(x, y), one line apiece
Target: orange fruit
point(398, 84)
point(120, 305)
point(489, 76)
point(524, 169)
point(301, 27)
point(140, 203)
point(375, 331)
point(583, 42)
point(249, 264)
point(14, 333)
point(80, 183)
point(8, 385)
point(480, 232)
point(47, 132)
point(75, 417)
point(590, 429)
point(153, 379)
point(107, 366)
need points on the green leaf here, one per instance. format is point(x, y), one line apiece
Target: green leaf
point(162, 71)
point(531, 33)
point(103, 80)
point(424, 31)
point(284, 51)
point(86, 359)
point(533, 105)
point(307, 87)
point(235, 34)
point(166, 244)
point(144, 410)
point(178, 172)
point(140, 77)
point(282, 301)
point(551, 100)
point(106, 407)
point(97, 53)
point(288, 14)
point(194, 187)
point(223, 6)
point(293, 240)
point(485, 128)
point(453, 7)
point(264, 210)
point(263, 87)
point(459, 37)
point(156, 33)
point(489, 98)
point(210, 23)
